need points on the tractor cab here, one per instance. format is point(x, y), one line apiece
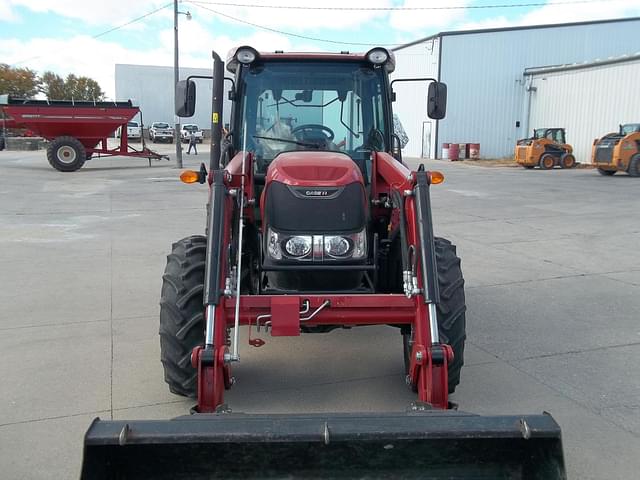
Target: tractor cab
point(312, 103)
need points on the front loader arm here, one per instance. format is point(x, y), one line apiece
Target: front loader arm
point(429, 358)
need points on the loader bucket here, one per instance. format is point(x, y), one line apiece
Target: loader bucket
point(431, 444)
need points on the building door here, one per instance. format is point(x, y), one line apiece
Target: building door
point(426, 140)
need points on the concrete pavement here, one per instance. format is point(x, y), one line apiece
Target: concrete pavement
point(552, 267)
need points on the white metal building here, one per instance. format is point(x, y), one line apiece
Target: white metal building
point(152, 89)
point(485, 74)
point(588, 99)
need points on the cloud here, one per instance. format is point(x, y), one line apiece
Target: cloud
point(96, 58)
point(582, 12)
point(300, 20)
point(7, 14)
point(114, 12)
point(420, 20)
point(105, 12)
point(561, 13)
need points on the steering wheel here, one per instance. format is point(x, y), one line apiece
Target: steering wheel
point(314, 127)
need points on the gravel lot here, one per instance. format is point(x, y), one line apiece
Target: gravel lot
point(552, 267)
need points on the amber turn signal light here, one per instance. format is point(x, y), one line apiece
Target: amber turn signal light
point(190, 176)
point(436, 178)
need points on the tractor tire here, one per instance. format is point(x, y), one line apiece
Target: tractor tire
point(66, 154)
point(607, 173)
point(567, 161)
point(634, 165)
point(451, 310)
point(547, 161)
point(182, 313)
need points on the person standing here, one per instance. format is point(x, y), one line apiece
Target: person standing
point(192, 143)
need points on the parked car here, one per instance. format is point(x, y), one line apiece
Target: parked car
point(185, 132)
point(161, 132)
point(134, 132)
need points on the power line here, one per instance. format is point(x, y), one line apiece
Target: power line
point(399, 9)
point(113, 29)
point(290, 34)
point(201, 4)
point(130, 22)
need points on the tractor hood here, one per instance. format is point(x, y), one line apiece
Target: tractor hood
point(312, 168)
point(314, 192)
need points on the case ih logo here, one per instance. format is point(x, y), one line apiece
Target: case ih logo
point(316, 193)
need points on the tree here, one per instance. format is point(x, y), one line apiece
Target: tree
point(19, 82)
point(73, 87)
point(53, 86)
point(83, 88)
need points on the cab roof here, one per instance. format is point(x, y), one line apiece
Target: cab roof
point(345, 56)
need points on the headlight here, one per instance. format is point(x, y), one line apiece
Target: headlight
point(316, 247)
point(336, 246)
point(246, 55)
point(298, 246)
point(377, 56)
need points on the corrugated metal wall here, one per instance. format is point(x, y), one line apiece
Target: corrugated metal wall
point(419, 60)
point(151, 88)
point(587, 102)
point(484, 75)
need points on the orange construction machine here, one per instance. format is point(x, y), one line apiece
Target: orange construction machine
point(546, 149)
point(618, 151)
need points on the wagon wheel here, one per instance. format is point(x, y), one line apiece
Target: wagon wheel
point(547, 161)
point(66, 154)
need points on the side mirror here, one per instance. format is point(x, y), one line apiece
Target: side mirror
point(437, 100)
point(185, 98)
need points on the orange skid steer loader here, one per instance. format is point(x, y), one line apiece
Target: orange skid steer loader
point(315, 224)
point(546, 149)
point(618, 151)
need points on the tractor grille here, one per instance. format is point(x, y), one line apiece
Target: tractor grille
point(316, 209)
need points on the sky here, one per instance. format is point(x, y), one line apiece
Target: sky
point(73, 36)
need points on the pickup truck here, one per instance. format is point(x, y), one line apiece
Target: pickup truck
point(134, 132)
point(161, 132)
point(186, 130)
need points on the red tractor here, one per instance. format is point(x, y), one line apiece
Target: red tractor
point(315, 223)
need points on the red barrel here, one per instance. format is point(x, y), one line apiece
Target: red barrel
point(445, 151)
point(454, 150)
point(474, 151)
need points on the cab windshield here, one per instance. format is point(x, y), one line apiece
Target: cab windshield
point(289, 106)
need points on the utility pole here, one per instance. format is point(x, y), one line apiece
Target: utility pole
point(176, 76)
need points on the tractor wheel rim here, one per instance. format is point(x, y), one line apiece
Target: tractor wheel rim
point(548, 162)
point(66, 154)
